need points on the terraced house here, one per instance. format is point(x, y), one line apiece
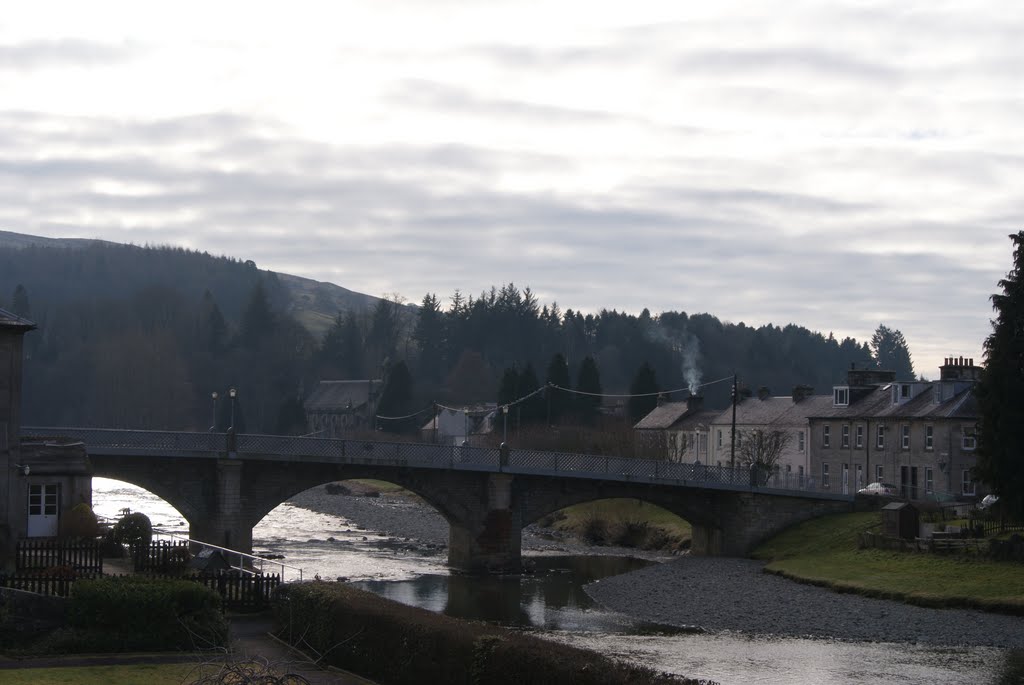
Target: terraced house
point(917, 435)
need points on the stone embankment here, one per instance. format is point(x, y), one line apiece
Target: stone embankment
point(714, 594)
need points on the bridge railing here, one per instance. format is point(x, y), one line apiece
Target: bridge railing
point(424, 455)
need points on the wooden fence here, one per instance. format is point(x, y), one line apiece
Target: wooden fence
point(84, 556)
point(161, 556)
point(238, 592)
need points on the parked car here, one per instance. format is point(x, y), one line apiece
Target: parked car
point(987, 501)
point(879, 490)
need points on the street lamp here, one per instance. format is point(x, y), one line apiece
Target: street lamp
point(504, 435)
point(213, 425)
point(232, 393)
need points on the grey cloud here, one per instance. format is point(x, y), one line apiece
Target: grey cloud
point(41, 54)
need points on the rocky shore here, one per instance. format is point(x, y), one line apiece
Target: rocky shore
point(713, 594)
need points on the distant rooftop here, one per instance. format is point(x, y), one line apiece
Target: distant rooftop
point(11, 320)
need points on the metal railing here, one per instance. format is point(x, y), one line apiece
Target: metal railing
point(256, 564)
point(424, 455)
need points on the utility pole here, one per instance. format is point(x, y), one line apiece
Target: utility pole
point(732, 438)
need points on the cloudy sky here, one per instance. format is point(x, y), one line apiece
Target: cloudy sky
point(831, 164)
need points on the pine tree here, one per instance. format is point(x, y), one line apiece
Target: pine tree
point(644, 388)
point(396, 400)
point(429, 336)
point(558, 401)
point(588, 381)
point(19, 302)
point(531, 410)
point(1000, 391)
point(257, 319)
point(890, 352)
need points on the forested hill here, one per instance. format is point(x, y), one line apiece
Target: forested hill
point(139, 337)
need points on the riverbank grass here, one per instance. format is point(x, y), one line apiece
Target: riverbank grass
point(625, 522)
point(140, 674)
point(824, 551)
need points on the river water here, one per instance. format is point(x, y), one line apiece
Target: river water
point(551, 601)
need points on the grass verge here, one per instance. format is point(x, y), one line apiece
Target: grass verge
point(824, 552)
point(625, 522)
point(139, 674)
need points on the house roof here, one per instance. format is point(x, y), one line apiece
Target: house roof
point(12, 321)
point(878, 404)
point(340, 395)
point(662, 416)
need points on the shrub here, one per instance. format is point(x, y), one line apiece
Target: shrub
point(595, 531)
point(398, 644)
point(80, 522)
point(119, 613)
point(134, 530)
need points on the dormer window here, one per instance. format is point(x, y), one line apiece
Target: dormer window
point(841, 397)
point(904, 391)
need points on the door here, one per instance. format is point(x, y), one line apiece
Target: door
point(904, 482)
point(860, 476)
point(913, 482)
point(846, 479)
point(43, 510)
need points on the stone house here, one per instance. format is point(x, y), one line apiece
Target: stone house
point(40, 479)
point(455, 425)
point(337, 409)
point(683, 426)
point(917, 435)
point(786, 414)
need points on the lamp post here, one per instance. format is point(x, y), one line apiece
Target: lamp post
point(232, 393)
point(504, 435)
point(213, 425)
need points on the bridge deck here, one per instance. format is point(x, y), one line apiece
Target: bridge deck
point(100, 441)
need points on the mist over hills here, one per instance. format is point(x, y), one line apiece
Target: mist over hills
point(140, 337)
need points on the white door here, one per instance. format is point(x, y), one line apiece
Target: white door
point(43, 510)
point(846, 479)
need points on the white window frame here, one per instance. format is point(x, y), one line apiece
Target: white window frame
point(880, 437)
point(905, 436)
point(719, 437)
point(859, 439)
point(801, 441)
point(841, 397)
point(824, 476)
point(929, 437)
point(879, 470)
point(929, 480)
point(826, 436)
point(844, 440)
point(968, 440)
point(966, 483)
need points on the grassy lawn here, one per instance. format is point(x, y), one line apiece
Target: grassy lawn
point(577, 519)
point(141, 674)
point(824, 551)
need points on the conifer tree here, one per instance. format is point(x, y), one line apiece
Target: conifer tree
point(644, 389)
point(588, 381)
point(558, 401)
point(1000, 391)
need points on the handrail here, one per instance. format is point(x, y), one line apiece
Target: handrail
point(241, 555)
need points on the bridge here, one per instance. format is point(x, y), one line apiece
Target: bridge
point(225, 484)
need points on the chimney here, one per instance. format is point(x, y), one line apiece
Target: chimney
point(763, 393)
point(694, 403)
point(959, 369)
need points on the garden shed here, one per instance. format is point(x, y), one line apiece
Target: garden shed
point(900, 520)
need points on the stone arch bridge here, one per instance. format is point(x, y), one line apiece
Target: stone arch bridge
point(225, 484)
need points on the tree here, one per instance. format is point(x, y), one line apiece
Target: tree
point(588, 382)
point(644, 390)
point(471, 380)
point(19, 302)
point(890, 352)
point(429, 336)
point(257, 319)
point(396, 400)
point(558, 401)
point(761, 447)
point(530, 410)
point(1000, 391)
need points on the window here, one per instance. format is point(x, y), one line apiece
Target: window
point(929, 481)
point(970, 440)
point(860, 437)
point(800, 441)
point(825, 437)
point(905, 437)
point(968, 484)
point(800, 471)
point(840, 397)
point(879, 470)
point(904, 391)
point(718, 437)
point(880, 438)
point(846, 436)
point(789, 468)
point(824, 475)
point(929, 438)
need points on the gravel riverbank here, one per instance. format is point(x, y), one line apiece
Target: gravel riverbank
point(715, 594)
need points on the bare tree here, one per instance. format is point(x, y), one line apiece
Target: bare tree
point(761, 447)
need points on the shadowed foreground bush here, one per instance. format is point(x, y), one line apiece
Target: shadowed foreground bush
point(131, 613)
point(398, 644)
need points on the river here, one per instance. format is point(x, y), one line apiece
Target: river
point(551, 601)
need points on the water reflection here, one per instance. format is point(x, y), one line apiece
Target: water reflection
point(551, 597)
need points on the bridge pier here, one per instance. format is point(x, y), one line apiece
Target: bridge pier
point(224, 524)
point(489, 540)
